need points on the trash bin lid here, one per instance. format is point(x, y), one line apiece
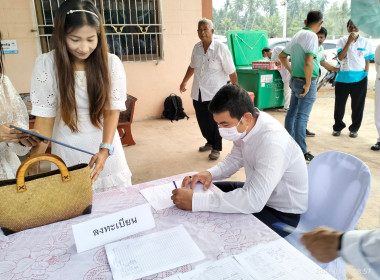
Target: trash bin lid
point(246, 46)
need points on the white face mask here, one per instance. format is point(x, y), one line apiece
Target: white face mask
point(231, 133)
point(356, 34)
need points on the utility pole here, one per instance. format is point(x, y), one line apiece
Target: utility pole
point(285, 4)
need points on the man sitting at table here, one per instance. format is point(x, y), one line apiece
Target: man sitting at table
point(276, 187)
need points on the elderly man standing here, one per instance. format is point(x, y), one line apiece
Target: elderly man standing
point(212, 64)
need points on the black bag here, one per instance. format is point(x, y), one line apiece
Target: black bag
point(173, 109)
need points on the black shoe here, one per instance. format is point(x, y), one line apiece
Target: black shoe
point(205, 148)
point(214, 155)
point(309, 133)
point(336, 133)
point(376, 147)
point(353, 134)
point(308, 156)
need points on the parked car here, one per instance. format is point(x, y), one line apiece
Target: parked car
point(221, 38)
point(330, 50)
point(274, 42)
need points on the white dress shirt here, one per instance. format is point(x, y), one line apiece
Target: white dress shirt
point(275, 168)
point(361, 249)
point(211, 69)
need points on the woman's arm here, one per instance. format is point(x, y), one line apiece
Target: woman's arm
point(45, 128)
point(111, 119)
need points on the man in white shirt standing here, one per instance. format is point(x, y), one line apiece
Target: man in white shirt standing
point(285, 76)
point(376, 147)
point(357, 247)
point(212, 66)
point(354, 54)
point(276, 186)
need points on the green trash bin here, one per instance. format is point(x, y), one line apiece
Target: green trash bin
point(245, 47)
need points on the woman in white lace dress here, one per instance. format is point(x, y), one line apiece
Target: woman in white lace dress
point(77, 93)
point(12, 111)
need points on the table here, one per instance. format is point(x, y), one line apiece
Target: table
point(49, 252)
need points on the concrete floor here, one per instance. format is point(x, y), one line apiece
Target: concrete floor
point(165, 148)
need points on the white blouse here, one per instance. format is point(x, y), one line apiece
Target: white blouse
point(13, 110)
point(45, 100)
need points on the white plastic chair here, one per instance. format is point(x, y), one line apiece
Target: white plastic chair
point(339, 186)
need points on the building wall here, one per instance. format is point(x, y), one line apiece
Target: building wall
point(151, 82)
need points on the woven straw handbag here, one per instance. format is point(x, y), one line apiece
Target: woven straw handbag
point(37, 200)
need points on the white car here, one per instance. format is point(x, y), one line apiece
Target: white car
point(220, 38)
point(330, 50)
point(275, 42)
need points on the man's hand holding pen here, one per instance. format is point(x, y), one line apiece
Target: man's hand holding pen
point(183, 197)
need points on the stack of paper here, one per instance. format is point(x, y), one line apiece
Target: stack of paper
point(153, 253)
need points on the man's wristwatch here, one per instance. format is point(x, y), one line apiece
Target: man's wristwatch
point(110, 148)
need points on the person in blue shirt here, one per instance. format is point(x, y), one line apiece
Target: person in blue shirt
point(354, 54)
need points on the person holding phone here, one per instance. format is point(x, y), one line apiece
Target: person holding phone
point(13, 143)
point(77, 91)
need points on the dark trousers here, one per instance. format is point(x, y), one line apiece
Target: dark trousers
point(268, 215)
point(206, 123)
point(358, 92)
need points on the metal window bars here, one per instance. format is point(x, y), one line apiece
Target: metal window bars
point(133, 27)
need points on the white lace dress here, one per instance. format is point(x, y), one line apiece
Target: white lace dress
point(45, 103)
point(12, 109)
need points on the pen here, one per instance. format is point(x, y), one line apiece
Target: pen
point(287, 228)
point(175, 185)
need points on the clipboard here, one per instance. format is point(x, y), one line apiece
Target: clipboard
point(49, 139)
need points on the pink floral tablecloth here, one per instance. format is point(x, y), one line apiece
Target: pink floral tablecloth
point(49, 252)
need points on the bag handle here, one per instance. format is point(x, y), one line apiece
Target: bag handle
point(20, 174)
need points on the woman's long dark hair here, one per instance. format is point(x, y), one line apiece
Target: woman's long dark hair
point(96, 65)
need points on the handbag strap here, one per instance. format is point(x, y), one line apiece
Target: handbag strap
point(20, 175)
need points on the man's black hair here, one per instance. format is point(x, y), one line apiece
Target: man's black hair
point(323, 31)
point(348, 22)
point(265, 50)
point(314, 16)
point(232, 98)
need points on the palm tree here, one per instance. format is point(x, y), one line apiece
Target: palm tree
point(249, 12)
point(294, 7)
point(238, 8)
point(323, 4)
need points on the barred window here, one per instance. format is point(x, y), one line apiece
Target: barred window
point(133, 27)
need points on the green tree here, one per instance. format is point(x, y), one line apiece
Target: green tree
point(264, 15)
point(269, 6)
point(336, 19)
point(273, 25)
point(238, 8)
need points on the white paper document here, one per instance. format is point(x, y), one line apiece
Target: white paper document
point(280, 260)
point(152, 253)
point(159, 196)
point(112, 227)
point(224, 269)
